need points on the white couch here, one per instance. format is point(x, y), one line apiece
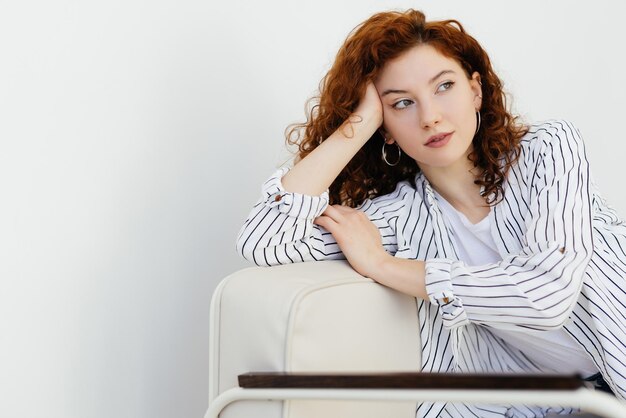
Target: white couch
point(320, 316)
point(325, 317)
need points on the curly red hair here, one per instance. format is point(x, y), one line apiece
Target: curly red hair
point(373, 43)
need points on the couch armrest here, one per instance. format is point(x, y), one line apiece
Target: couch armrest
point(317, 316)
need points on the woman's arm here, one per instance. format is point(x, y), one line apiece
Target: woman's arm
point(280, 227)
point(315, 173)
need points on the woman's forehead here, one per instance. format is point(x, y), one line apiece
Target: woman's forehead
point(421, 64)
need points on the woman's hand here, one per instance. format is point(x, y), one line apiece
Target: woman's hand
point(357, 237)
point(360, 241)
point(370, 106)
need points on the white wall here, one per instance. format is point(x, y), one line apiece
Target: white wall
point(134, 136)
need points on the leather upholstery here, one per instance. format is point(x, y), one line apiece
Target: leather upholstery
point(317, 316)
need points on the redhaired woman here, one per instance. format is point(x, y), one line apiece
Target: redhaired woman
point(411, 167)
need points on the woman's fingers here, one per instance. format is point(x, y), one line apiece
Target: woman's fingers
point(341, 220)
point(332, 218)
point(338, 212)
point(326, 222)
point(356, 235)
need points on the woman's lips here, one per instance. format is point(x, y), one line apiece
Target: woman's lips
point(440, 140)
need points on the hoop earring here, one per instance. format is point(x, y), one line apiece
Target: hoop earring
point(385, 155)
point(477, 122)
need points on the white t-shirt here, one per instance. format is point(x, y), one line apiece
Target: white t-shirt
point(553, 351)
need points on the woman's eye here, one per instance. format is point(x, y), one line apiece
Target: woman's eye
point(402, 104)
point(445, 86)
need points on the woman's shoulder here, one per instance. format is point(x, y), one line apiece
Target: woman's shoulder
point(543, 134)
point(548, 142)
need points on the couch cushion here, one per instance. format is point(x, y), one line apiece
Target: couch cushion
point(319, 316)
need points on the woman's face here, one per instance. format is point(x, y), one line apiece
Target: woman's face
point(427, 96)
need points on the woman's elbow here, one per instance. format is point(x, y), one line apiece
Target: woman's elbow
point(555, 312)
point(561, 295)
point(250, 252)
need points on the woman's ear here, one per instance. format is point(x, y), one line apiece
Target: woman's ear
point(477, 88)
point(388, 139)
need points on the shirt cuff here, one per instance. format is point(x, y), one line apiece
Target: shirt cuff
point(292, 204)
point(441, 293)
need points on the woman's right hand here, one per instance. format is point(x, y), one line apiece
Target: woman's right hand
point(370, 107)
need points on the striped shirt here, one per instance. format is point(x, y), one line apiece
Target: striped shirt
point(563, 264)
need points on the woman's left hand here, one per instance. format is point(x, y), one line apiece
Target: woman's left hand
point(357, 237)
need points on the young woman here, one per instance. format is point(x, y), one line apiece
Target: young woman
point(412, 169)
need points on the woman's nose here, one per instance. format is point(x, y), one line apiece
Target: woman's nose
point(429, 115)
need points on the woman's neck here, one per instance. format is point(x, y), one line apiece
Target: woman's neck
point(456, 185)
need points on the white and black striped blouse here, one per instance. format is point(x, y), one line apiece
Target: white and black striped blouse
point(563, 264)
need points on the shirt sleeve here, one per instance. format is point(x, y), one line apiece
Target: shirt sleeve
point(539, 287)
point(280, 228)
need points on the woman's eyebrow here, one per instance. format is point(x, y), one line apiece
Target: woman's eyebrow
point(431, 81)
point(389, 91)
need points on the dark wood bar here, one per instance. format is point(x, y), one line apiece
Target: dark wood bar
point(410, 381)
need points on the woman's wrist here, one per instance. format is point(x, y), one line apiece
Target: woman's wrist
point(384, 268)
point(369, 119)
point(358, 127)
point(406, 276)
